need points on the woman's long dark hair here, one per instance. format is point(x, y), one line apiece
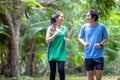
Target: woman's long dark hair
point(53, 19)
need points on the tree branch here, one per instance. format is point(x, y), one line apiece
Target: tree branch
point(49, 4)
point(6, 17)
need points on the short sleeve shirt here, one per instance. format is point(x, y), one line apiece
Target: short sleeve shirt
point(92, 35)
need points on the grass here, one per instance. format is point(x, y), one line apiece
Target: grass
point(68, 77)
point(73, 77)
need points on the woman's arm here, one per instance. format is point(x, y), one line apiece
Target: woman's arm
point(48, 37)
point(67, 37)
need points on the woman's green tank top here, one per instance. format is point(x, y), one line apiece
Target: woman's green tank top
point(57, 47)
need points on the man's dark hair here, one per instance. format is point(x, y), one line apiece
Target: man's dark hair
point(94, 13)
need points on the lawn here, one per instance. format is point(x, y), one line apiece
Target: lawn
point(68, 77)
point(73, 77)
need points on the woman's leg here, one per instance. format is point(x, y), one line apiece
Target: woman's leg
point(52, 69)
point(61, 70)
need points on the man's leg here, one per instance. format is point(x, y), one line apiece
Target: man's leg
point(98, 74)
point(89, 66)
point(99, 64)
point(90, 75)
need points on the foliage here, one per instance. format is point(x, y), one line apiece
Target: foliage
point(113, 44)
point(3, 34)
point(3, 44)
point(103, 6)
point(68, 77)
point(34, 29)
point(31, 3)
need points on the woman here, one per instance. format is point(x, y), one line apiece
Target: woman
point(56, 37)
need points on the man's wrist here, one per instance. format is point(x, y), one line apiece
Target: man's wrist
point(101, 44)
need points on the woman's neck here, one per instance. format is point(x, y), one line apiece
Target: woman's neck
point(58, 25)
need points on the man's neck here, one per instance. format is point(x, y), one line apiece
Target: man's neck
point(93, 23)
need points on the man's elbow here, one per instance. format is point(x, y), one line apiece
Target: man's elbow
point(106, 39)
point(79, 38)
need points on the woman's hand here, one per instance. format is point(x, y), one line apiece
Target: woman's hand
point(66, 39)
point(57, 31)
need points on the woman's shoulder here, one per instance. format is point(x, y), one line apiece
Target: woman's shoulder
point(64, 27)
point(51, 28)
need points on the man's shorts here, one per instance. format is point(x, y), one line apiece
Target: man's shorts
point(97, 63)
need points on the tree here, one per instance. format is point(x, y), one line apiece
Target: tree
point(11, 14)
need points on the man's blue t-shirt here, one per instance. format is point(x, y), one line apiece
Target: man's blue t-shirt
point(92, 35)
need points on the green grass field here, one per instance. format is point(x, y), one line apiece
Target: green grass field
point(68, 77)
point(73, 77)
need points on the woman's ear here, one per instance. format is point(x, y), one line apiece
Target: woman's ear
point(56, 19)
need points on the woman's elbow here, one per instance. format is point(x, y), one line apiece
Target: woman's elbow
point(46, 41)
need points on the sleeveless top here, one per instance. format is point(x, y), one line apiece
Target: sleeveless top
point(57, 47)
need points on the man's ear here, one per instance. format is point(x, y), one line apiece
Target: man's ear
point(94, 18)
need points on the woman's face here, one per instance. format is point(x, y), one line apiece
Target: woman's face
point(60, 18)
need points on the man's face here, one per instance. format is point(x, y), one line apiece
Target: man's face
point(89, 18)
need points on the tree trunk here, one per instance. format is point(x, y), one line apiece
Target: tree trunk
point(12, 65)
point(12, 20)
point(30, 66)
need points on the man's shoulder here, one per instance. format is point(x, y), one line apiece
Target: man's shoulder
point(85, 25)
point(101, 24)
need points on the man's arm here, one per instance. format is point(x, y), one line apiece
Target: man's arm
point(98, 45)
point(104, 41)
point(83, 42)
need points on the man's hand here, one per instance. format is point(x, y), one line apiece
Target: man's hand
point(86, 44)
point(97, 45)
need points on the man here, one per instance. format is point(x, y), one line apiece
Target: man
point(93, 35)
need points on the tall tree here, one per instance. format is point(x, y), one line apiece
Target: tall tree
point(12, 20)
point(11, 14)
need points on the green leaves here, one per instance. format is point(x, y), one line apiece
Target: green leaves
point(78, 59)
point(32, 3)
point(104, 6)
